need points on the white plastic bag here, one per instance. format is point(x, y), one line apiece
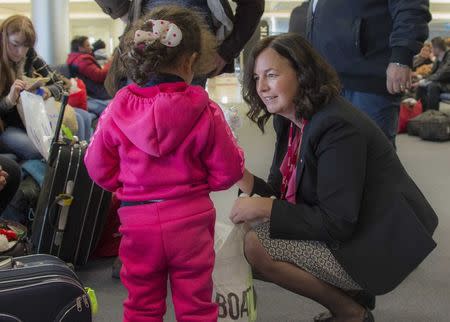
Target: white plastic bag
point(36, 121)
point(53, 109)
point(52, 112)
point(232, 276)
point(233, 119)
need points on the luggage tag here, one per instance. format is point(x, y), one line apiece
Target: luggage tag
point(93, 299)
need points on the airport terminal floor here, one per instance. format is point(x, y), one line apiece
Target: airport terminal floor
point(423, 297)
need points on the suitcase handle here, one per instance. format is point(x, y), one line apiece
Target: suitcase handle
point(64, 101)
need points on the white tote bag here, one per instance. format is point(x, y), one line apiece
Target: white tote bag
point(37, 124)
point(232, 276)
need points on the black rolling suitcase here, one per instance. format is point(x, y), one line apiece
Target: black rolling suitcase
point(71, 209)
point(38, 288)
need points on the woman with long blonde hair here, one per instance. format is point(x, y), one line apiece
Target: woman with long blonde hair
point(18, 59)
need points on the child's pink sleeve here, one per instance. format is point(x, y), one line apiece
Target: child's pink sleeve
point(223, 157)
point(102, 157)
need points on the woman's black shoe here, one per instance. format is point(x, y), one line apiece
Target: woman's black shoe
point(328, 317)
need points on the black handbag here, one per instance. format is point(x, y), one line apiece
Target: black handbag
point(431, 125)
point(24, 202)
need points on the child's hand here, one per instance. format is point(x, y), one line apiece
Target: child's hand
point(249, 209)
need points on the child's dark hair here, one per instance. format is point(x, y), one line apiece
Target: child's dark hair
point(99, 44)
point(143, 60)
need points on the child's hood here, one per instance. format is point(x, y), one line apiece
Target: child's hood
point(157, 119)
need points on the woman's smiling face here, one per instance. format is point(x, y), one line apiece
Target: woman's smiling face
point(276, 83)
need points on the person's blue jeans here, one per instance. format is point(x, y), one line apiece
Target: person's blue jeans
point(382, 109)
point(97, 106)
point(84, 119)
point(15, 140)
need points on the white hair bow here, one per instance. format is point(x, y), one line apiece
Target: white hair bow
point(166, 32)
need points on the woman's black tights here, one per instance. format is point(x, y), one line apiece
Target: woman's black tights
point(296, 280)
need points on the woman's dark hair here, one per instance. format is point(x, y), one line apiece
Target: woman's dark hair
point(143, 61)
point(77, 42)
point(318, 81)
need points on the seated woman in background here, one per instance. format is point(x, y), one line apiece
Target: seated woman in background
point(18, 58)
point(347, 218)
point(424, 57)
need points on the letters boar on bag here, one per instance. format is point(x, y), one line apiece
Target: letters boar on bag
point(232, 276)
point(236, 307)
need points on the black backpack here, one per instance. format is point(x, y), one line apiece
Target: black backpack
point(431, 126)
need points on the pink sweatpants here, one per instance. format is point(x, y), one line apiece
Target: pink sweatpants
point(170, 239)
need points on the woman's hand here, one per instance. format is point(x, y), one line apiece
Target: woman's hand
point(14, 92)
point(251, 208)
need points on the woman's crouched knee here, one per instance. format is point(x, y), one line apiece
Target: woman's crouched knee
point(256, 254)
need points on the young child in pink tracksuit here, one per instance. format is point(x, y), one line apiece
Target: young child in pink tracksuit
point(162, 145)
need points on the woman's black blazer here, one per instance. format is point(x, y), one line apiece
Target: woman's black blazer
point(353, 194)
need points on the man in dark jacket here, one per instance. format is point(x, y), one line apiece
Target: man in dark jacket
point(82, 64)
point(429, 89)
point(371, 44)
point(244, 22)
point(297, 20)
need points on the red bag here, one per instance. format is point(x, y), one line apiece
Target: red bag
point(407, 112)
point(79, 99)
point(108, 245)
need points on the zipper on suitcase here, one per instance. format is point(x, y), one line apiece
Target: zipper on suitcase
point(56, 270)
point(11, 318)
point(22, 282)
point(59, 279)
point(76, 303)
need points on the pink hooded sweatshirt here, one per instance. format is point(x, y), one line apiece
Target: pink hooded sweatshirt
point(163, 142)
